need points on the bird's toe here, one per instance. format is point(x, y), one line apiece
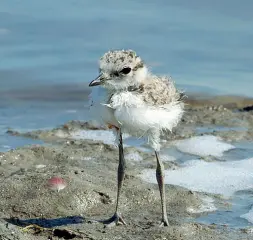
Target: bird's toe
point(115, 220)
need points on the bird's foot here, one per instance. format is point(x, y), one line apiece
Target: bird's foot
point(115, 220)
point(164, 223)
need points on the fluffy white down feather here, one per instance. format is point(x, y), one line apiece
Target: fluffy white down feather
point(134, 116)
point(131, 111)
point(138, 119)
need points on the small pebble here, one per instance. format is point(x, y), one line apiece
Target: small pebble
point(56, 183)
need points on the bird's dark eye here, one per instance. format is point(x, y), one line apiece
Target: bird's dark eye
point(116, 74)
point(126, 70)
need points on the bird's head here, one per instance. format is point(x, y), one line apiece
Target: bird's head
point(119, 70)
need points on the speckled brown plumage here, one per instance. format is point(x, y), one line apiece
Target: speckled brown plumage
point(157, 91)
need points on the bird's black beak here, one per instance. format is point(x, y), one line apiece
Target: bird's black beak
point(96, 82)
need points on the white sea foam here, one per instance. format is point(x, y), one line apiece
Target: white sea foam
point(248, 216)
point(206, 206)
point(167, 158)
point(203, 146)
point(211, 177)
point(133, 156)
point(6, 146)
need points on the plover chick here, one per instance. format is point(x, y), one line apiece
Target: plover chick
point(132, 100)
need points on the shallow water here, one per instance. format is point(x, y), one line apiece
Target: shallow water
point(214, 179)
point(240, 204)
point(35, 115)
point(227, 178)
point(199, 44)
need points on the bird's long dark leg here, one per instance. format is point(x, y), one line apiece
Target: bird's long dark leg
point(160, 181)
point(116, 218)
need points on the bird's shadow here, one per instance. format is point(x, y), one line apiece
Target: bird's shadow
point(47, 223)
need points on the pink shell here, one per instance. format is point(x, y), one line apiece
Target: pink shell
point(56, 183)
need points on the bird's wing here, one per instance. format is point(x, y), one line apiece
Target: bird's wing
point(160, 91)
point(155, 105)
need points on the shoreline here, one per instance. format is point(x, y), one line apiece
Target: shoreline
point(79, 92)
point(227, 101)
point(89, 167)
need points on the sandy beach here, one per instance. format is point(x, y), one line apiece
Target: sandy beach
point(31, 210)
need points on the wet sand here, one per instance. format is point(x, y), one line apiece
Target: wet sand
point(89, 168)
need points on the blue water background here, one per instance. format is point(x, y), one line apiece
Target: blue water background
point(49, 51)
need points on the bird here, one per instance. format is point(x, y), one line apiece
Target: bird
point(128, 98)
